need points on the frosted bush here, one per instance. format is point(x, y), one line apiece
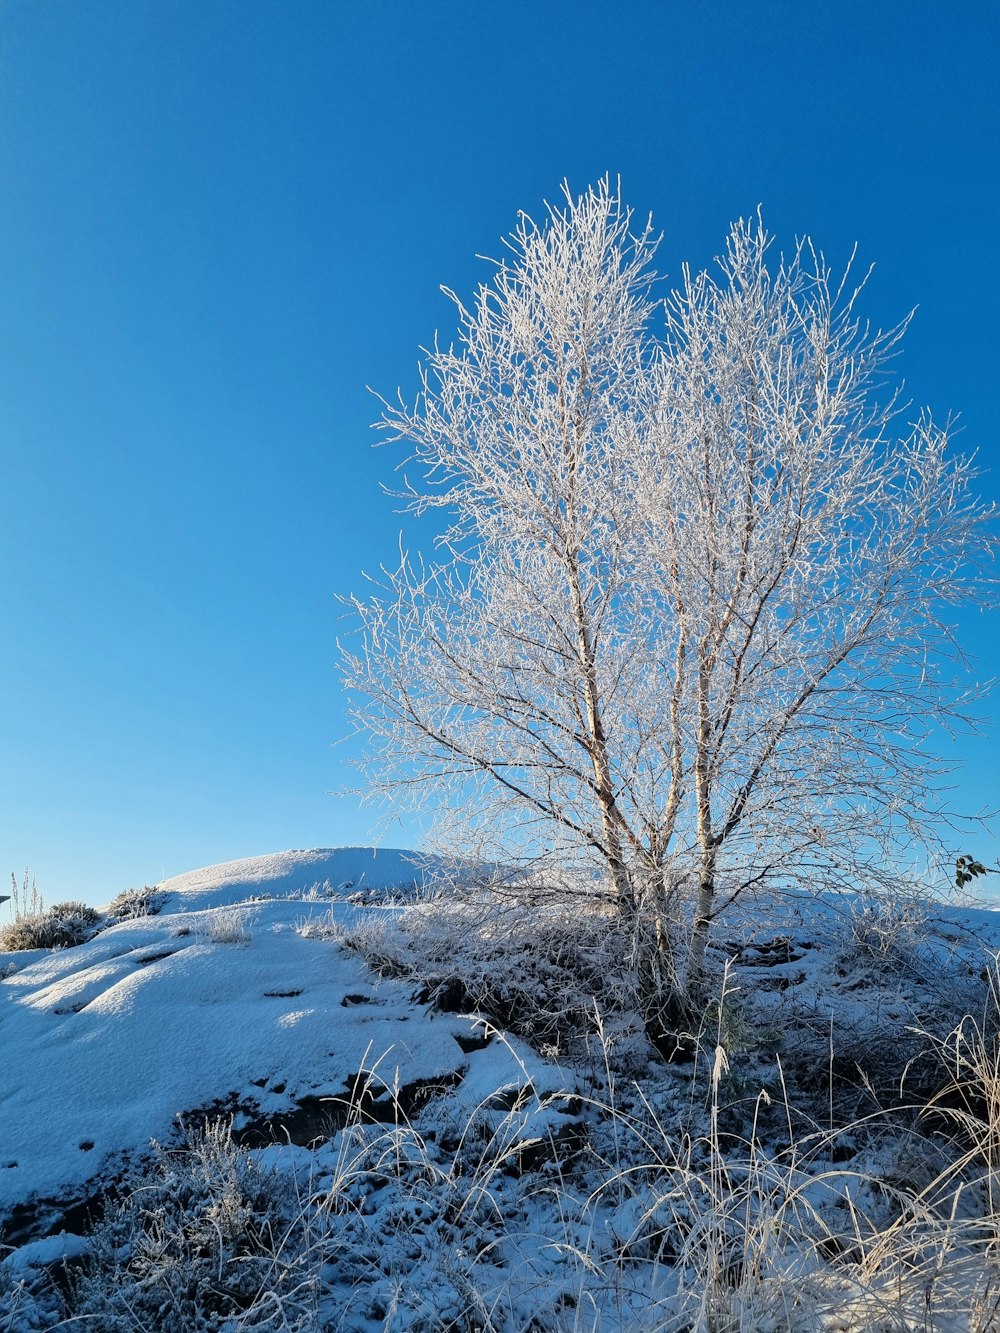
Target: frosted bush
point(537, 969)
point(20, 1307)
point(29, 932)
point(204, 1240)
point(61, 927)
point(75, 912)
point(134, 903)
point(886, 928)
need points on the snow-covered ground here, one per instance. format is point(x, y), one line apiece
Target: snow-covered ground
point(239, 1000)
point(207, 1003)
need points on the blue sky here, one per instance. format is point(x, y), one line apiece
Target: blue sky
point(220, 221)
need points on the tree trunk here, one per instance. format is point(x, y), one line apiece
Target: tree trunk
point(661, 999)
point(700, 926)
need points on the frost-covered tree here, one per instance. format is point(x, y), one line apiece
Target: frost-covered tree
point(689, 611)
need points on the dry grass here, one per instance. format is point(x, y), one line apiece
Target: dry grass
point(692, 1201)
point(231, 925)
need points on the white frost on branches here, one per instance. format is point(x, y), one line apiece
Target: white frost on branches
point(690, 614)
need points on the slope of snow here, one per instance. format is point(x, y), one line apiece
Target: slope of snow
point(333, 870)
point(107, 1043)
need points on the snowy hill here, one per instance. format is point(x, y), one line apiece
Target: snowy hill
point(206, 1003)
point(338, 870)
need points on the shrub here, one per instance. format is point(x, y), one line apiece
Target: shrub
point(28, 932)
point(62, 927)
point(134, 903)
point(74, 911)
point(537, 969)
point(20, 1312)
point(205, 1239)
point(887, 929)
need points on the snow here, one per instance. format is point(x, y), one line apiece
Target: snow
point(109, 1042)
point(225, 1003)
point(339, 870)
point(47, 1250)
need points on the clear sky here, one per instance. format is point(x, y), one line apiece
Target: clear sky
point(221, 219)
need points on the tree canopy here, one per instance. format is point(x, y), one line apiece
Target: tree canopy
point(689, 616)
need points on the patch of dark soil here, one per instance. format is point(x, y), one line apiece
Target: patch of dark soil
point(148, 958)
point(48, 1217)
point(473, 1041)
point(450, 996)
point(671, 1039)
point(316, 1119)
point(781, 983)
point(555, 1149)
point(511, 1099)
point(843, 1149)
point(228, 1109)
point(281, 994)
point(414, 1096)
point(312, 1121)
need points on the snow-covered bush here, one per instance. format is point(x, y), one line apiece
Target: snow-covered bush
point(61, 927)
point(133, 903)
point(541, 971)
point(30, 932)
point(204, 1241)
point(75, 911)
point(886, 928)
point(20, 1309)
